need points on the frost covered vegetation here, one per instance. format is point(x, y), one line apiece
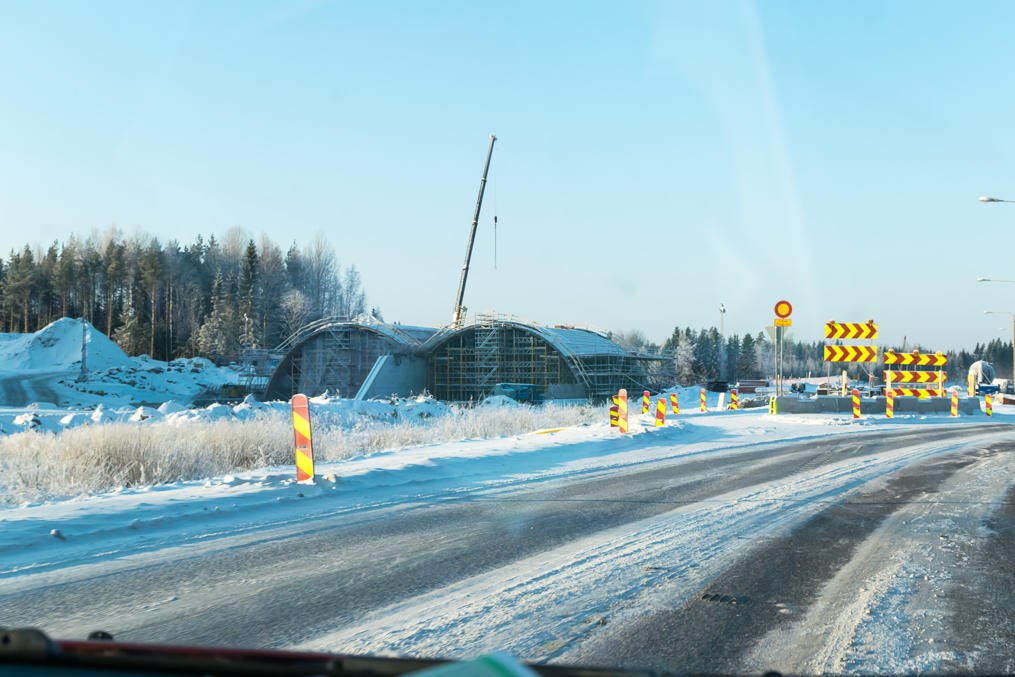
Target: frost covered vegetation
point(38, 466)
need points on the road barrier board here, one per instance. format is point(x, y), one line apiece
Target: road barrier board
point(851, 354)
point(851, 330)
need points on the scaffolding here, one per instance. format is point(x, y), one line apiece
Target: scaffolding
point(335, 358)
point(468, 363)
point(463, 363)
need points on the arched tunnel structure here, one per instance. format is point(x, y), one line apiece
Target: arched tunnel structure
point(562, 362)
point(459, 363)
point(337, 356)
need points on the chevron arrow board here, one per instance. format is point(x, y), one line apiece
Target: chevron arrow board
point(916, 359)
point(851, 354)
point(851, 330)
point(914, 377)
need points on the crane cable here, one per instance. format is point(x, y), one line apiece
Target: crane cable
point(495, 182)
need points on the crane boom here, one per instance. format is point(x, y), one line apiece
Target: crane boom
point(459, 312)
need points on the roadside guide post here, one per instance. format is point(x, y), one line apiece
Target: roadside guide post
point(660, 412)
point(990, 405)
point(622, 411)
point(301, 433)
point(733, 399)
point(955, 402)
point(856, 403)
point(703, 400)
point(673, 402)
point(890, 403)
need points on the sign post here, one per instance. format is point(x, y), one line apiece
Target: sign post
point(783, 309)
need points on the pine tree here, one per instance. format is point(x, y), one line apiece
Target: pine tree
point(747, 367)
point(151, 276)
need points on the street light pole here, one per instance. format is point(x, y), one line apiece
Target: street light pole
point(722, 342)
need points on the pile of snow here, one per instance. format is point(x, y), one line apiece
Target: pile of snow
point(57, 347)
point(46, 365)
point(142, 380)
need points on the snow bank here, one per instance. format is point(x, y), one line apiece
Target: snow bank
point(57, 347)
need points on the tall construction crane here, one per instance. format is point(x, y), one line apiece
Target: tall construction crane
point(456, 317)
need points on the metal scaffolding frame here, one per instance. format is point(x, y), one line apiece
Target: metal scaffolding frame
point(467, 363)
point(335, 357)
point(463, 363)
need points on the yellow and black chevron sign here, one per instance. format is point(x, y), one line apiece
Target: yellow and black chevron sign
point(915, 376)
point(851, 354)
point(916, 359)
point(851, 330)
point(915, 392)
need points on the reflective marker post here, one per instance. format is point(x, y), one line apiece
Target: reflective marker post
point(301, 432)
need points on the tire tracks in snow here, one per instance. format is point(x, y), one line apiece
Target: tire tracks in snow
point(579, 602)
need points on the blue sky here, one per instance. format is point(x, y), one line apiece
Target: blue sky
point(653, 159)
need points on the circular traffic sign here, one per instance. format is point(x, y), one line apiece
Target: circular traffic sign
point(783, 309)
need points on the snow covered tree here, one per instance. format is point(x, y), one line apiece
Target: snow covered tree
point(683, 358)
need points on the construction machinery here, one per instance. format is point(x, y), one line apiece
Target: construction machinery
point(459, 313)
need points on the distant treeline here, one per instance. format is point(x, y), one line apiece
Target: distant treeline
point(696, 357)
point(207, 298)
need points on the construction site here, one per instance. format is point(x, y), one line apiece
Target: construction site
point(467, 360)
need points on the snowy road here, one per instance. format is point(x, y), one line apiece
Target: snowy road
point(839, 553)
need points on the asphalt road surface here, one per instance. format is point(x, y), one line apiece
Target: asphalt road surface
point(20, 390)
point(832, 555)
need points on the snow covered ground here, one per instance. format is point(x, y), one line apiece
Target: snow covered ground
point(41, 372)
point(408, 454)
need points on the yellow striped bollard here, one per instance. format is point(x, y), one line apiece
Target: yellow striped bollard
point(673, 403)
point(614, 415)
point(733, 399)
point(890, 403)
point(856, 403)
point(773, 405)
point(301, 433)
point(955, 402)
point(970, 387)
point(703, 400)
point(622, 411)
point(990, 405)
point(644, 402)
point(660, 412)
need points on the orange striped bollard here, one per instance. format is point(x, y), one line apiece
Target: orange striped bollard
point(990, 405)
point(660, 412)
point(673, 403)
point(955, 402)
point(622, 411)
point(645, 399)
point(733, 399)
point(301, 431)
point(890, 403)
point(856, 403)
point(703, 400)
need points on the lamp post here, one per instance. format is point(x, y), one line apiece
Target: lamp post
point(722, 342)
